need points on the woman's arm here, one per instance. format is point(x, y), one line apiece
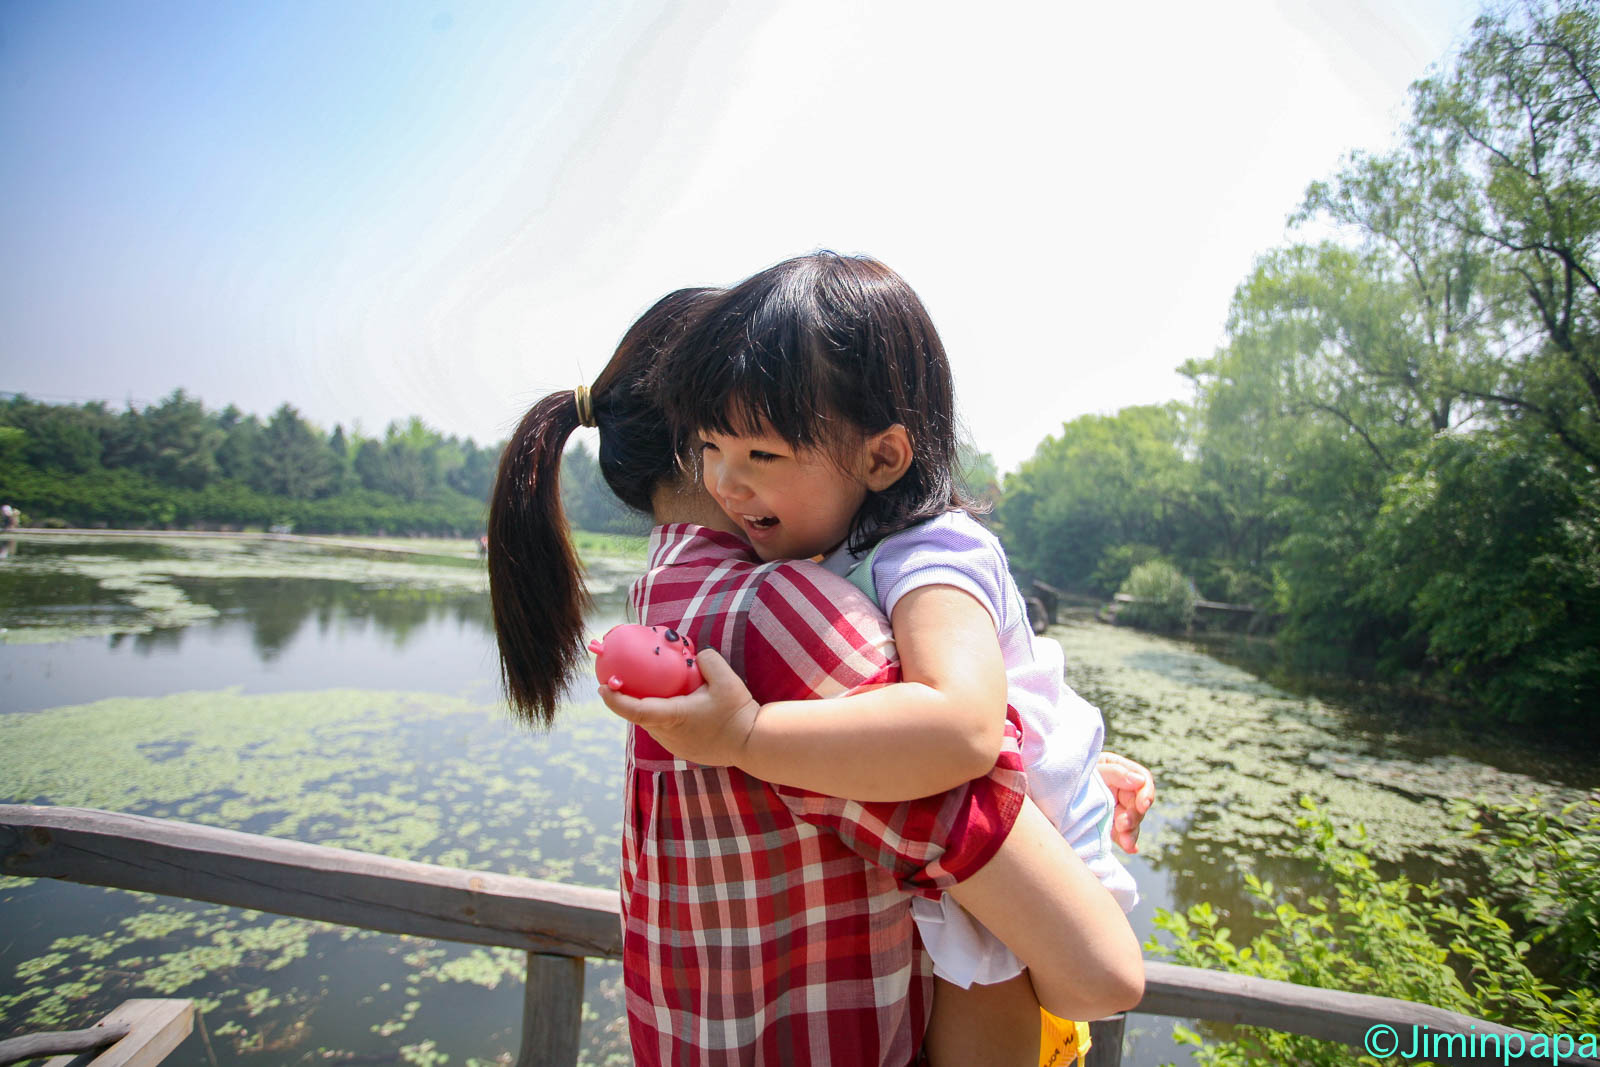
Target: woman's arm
point(938, 727)
point(1038, 898)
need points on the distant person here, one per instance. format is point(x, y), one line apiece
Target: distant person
point(805, 897)
point(11, 516)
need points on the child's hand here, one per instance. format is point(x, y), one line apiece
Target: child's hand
point(709, 726)
point(1134, 788)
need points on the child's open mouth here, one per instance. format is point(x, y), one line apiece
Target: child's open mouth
point(763, 522)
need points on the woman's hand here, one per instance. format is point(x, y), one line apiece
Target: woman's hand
point(709, 726)
point(1134, 788)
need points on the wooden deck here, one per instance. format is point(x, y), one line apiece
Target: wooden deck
point(560, 925)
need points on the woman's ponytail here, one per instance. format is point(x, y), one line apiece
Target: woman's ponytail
point(535, 582)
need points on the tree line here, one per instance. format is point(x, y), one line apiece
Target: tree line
point(176, 464)
point(1397, 448)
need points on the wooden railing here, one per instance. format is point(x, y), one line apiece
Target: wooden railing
point(559, 925)
point(137, 1033)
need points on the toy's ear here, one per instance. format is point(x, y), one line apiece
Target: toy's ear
point(888, 454)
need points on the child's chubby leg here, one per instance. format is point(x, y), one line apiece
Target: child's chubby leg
point(984, 1024)
point(1045, 905)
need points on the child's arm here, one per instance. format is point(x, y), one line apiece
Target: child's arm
point(940, 726)
point(1038, 898)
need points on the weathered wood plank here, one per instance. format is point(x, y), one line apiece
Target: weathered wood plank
point(552, 1011)
point(310, 881)
point(35, 1046)
point(1324, 1013)
point(154, 1029)
point(159, 1026)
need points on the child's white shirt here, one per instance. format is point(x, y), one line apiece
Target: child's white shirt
point(1062, 732)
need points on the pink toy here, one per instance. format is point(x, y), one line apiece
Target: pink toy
point(646, 661)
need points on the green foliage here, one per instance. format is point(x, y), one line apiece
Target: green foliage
point(1547, 868)
point(1163, 597)
point(588, 502)
point(174, 464)
point(1380, 936)
point(180, 443)
point(1493, 550)
point(1105, 481)
point(1117, 563)
point(293, 460)
point(1397, 447)
point(13, 442)
point(977, 472)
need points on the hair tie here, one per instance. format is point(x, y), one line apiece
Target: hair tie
point(585, 406)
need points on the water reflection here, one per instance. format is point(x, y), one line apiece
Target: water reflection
point(248, 616)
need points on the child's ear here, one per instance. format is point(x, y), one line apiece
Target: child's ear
point(888, 455)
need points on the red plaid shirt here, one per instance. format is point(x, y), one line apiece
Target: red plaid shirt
point(769, 925)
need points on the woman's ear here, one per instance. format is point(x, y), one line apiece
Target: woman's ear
point(888, 455)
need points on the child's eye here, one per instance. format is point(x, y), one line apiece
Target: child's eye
point(762, 457)
point(705, 446)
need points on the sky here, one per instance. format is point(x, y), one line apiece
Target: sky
point(372, 209)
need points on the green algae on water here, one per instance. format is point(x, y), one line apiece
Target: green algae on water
point(413, 775)
point(1232, 754)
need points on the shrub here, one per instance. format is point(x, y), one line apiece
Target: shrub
point(1385, 937)
point(1117, 563)
point(1546, 868)
point(1163, 598)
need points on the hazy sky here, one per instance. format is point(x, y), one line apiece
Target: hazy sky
point(373, 210)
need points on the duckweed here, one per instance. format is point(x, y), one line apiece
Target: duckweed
point(414, 775)
point(1232, 755)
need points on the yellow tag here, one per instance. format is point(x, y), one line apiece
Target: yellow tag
point(1062, 1043)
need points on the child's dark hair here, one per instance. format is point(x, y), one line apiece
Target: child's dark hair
point(536, 587)
point(821, 348)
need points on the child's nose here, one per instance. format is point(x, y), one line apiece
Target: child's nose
point(724, 482)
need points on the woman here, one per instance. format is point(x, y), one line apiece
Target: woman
point(764, 923)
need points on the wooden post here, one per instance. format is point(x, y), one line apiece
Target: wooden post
point(552, 1010)
point(1105, 1042)
point(155, 1028)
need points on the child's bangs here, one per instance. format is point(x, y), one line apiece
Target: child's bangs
point(757, 381)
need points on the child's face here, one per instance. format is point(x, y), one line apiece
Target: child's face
point(791, 503)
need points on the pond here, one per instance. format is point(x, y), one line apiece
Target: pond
point(349, 698)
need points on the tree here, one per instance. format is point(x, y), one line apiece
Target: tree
point(59, 438)
point(585, 497)
point(475, 475)
point(294, 458)
point(978, 474)
point(1515, 126)
point(181, 442)
point(1104, 482)
point(239, 454)
point(1313, 403)
point(1494, 552)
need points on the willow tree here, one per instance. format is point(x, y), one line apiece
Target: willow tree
point(1417, 410)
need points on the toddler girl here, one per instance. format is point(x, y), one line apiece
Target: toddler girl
point(818, 397)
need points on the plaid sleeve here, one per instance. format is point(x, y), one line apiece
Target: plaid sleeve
point(809, 633)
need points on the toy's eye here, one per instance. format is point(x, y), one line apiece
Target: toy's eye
point(672, 635)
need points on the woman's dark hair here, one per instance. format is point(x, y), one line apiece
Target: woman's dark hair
point(536, 587)
point(823, 349)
